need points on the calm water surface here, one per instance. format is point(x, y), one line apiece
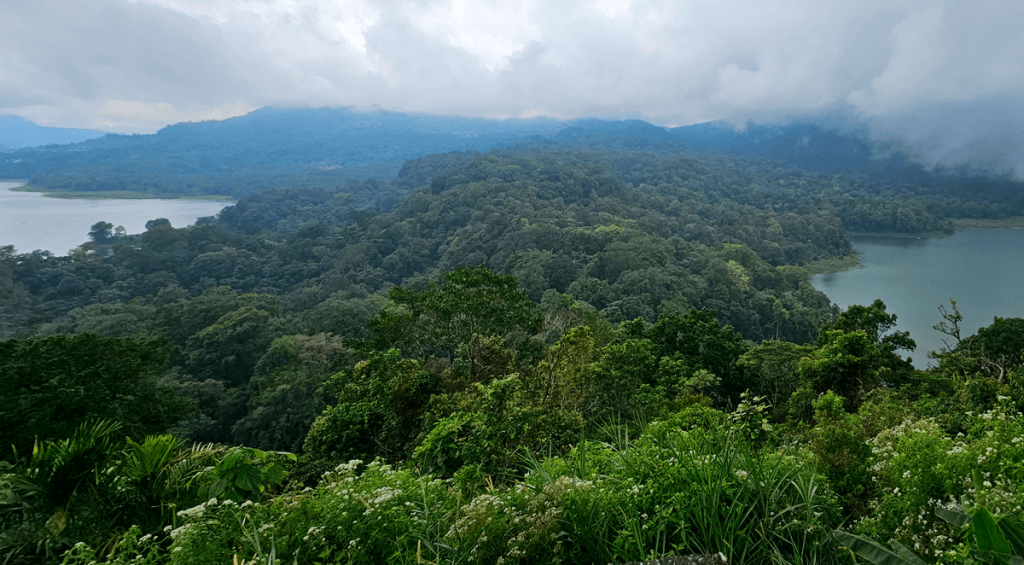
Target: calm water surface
point(28, 221)
point(982, 269)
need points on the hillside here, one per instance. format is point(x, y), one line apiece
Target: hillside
point(270, 147)
point(293, 148)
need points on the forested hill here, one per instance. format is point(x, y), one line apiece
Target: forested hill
point(268, 148)
point(307, 148)
point(580, 242)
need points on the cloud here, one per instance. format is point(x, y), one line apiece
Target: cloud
point(119, 114)
point(942, 76)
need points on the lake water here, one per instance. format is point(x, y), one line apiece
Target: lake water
point(983, 270)
point(29, 221)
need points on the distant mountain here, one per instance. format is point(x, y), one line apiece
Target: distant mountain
point(17, 132)
point(282, 147)
point(288, 148)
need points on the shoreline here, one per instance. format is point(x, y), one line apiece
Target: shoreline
point(832, 265)
point(902, 235)
point(1013, 222)
point(119, 195)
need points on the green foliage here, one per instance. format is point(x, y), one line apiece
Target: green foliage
point(992, 353)
point(701, 339)
point(15, 299)
point(132, 549)
point(669, 492)
point(996, 540)
point(1004, 339)
point(547, 301)
point(379, 410)
point(468, 302)
point(751, 418)
point(229, 349)
point(243, 473)
point(849, 363)
point(56, 496)
point(916, 465)
point(772, 370)
point(837, 442)
point(623, 368)
point(876, 323)
point(50, 386)
point(289, 393)
point(89, 488)
point(101, 232)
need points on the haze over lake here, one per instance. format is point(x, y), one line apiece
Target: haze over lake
point(982, 270)
point(30, 221)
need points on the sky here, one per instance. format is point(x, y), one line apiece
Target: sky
point(942, 78)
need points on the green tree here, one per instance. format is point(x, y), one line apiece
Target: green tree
point(876, 323)
point(702, 341)
point(848, 363)
point(49, 386)
point(378, 412)
point(100, 232)
point(622, 369)
point(15, 300)
point(467, 302)
point(229, 349)
point(772, 370)
point(289, 394)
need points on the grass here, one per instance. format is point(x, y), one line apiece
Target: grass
point(118, 195)
point(833, 265)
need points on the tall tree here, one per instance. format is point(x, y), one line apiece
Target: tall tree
point(49, 386)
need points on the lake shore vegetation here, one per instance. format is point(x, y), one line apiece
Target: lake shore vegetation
point(118, 195)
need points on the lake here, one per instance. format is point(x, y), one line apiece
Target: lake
point(30, 221)
point(982, 269)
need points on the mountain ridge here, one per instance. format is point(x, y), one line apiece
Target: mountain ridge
point(18, 133)
point(303, 147)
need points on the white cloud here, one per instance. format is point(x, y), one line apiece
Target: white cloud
point(118, 115)
point(944, 75)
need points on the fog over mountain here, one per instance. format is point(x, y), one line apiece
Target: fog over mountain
point(942, 78)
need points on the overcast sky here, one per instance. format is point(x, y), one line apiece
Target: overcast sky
point(944, 77)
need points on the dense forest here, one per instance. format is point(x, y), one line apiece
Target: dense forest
point(589, 347)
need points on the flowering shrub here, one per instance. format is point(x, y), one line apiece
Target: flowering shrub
point(670, 491)
point(917, 467)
